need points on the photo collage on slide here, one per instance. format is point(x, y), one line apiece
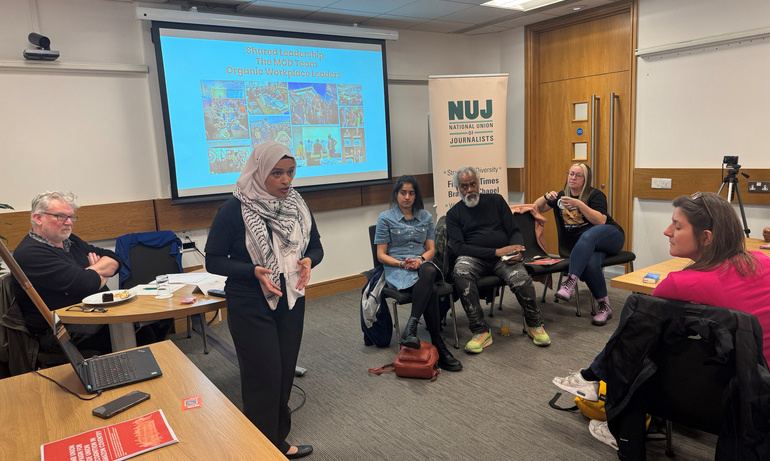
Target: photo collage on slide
point(322, 124)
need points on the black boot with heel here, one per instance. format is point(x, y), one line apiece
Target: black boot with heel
point(409, 336)
point(445, 358)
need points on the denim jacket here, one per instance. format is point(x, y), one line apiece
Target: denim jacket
point(405, 239)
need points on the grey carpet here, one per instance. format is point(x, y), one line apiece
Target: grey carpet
point(495, 408)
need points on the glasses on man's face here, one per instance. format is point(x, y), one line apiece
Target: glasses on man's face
point(699, 195)
point(62, 217)
point(576, 175)
point(101, 310)
point(468, 185)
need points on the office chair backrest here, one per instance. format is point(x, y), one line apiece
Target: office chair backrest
point(526, 224)
point(148, 262)
point(564, 250)
point(375, 261)
point(697, 350)
point(147, 255)
point(688, 388)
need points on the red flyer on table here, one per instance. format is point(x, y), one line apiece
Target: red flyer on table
point(115, 442)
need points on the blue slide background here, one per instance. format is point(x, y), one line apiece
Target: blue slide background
point(190, 61)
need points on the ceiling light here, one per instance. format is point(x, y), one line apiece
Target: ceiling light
point(521, 5)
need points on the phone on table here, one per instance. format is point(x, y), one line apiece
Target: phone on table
point(110, 409)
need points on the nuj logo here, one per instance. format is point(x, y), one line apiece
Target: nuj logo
point(469, 110)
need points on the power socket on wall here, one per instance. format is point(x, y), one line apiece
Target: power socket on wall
point(661, 183)
point(761, 187)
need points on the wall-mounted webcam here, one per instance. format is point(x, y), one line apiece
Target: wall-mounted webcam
point(43, 52)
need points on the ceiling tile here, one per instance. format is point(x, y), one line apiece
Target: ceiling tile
point(430, 9)
point(317, 4)
point(370, 6)
point(478, 15)
point(447, 16)
point(444, 27)
point(392, 22)
point(273, 11)
point(332, 16)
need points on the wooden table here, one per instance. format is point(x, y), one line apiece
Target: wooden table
point(143, 308)
point(633, 280)
point(36, 411)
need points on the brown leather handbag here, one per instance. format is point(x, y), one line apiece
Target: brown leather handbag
point(413, 363)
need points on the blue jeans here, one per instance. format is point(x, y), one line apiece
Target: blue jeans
point(597, 366)
point(587, 257)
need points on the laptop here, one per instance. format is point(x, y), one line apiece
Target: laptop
point(97, 373)
point(107, 371)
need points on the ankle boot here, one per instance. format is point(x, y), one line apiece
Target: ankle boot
point(409, 336)
point(565, 292)
point(605, 312)
point(445, 358)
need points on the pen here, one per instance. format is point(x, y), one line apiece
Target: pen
point(150, 288)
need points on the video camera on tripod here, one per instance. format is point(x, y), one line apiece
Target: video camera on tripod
point(731, 179)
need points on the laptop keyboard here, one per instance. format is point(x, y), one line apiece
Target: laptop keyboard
point(111, 369)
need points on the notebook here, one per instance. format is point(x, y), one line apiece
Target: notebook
point(97, 373)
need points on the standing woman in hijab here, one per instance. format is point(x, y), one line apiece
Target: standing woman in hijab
point(264, 239)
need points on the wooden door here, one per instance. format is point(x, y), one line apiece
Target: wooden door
point(580, 106)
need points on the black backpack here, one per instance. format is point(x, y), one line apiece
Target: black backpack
point(381, 331)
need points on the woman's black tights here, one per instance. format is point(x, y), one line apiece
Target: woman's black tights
point(425, 299)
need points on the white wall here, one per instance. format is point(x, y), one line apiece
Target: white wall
point(86, 132)
point(101, 135)
point(696, 107)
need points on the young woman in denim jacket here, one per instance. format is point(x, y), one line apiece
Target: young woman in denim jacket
point(405, 247)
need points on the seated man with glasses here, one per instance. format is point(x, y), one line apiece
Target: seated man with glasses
point(63, 269)
point(486, 241)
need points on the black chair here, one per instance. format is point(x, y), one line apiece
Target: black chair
point(693, 384)
point(20, 351)
point(146, 263)
point(526, 224)
point(622, 258)
point(401, 297)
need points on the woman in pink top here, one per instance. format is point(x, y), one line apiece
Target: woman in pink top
point(722, 273)
point(704, 228)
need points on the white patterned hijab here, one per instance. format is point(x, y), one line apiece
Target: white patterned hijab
point(286, 219)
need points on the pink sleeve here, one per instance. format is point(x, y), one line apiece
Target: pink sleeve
point(666, 288)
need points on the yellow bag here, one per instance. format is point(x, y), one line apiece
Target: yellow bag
point(594, 410)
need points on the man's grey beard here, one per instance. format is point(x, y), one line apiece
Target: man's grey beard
point(470, 203)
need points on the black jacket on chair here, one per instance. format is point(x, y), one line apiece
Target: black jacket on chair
point(654, 323)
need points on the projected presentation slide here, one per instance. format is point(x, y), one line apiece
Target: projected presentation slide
point(225, 93)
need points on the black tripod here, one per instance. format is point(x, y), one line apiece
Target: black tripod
point(732, 191)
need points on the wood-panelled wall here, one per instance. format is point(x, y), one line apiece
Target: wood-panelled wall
point(111, 220)
point(108, 221)
point(686, 181)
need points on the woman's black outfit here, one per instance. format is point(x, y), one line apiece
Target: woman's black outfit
point(267, 341)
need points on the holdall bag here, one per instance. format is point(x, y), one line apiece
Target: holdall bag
point(413, 363)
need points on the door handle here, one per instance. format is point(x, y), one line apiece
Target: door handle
point(610, 193)
point(594, 110)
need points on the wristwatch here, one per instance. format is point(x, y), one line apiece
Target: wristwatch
point(422, 257)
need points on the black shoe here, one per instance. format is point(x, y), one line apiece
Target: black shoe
point(409, 336)
point(302, 451)
point(446, 360)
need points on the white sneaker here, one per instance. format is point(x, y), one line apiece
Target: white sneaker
point(602, 433)
point(576, 385)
